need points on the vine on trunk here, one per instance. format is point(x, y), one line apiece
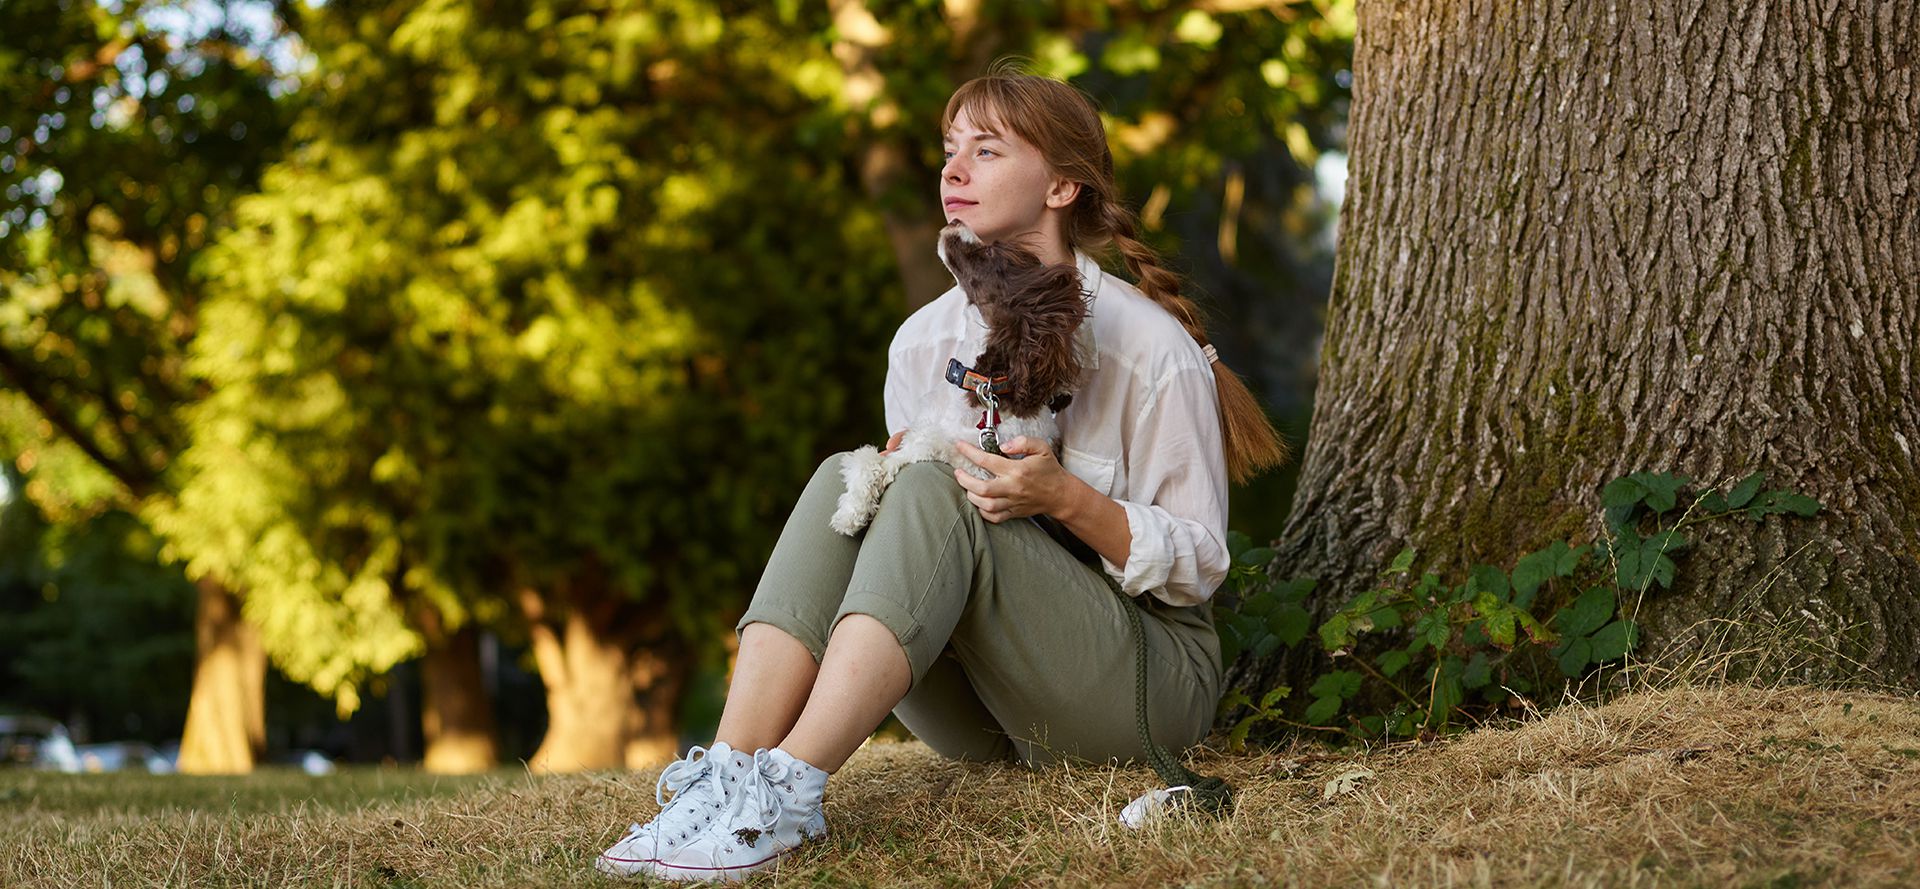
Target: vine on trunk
point(1425, 656)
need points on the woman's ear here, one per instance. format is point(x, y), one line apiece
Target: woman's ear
point(1061, 193)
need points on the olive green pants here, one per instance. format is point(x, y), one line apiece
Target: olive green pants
point(1017, 648)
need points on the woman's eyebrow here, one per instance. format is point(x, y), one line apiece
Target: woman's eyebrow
point(981, 136)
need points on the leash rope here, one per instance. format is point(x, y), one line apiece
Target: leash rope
point(1214, 796)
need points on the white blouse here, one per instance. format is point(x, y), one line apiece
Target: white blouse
point(1143, 428)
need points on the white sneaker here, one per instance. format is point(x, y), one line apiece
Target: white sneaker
point(701, 783)
point(776, 808)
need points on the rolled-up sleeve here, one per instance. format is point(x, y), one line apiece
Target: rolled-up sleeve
point(1177, 494)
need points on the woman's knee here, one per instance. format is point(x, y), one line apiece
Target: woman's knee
point(926, 478)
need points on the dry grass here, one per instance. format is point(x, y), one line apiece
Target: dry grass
point(1726, 786)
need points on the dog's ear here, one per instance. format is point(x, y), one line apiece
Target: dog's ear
point(1045, 309)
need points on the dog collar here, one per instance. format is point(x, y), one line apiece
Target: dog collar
point(972, 380)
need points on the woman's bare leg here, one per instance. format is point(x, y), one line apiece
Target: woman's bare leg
point(864, 674)
point(772, 677)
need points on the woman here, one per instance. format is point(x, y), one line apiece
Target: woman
point(963, 608)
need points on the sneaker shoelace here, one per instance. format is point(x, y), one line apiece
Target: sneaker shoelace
point(683, 778)
point(764, 788)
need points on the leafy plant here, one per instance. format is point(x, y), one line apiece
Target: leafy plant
point(1424, 653)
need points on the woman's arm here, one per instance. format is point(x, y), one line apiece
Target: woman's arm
point(1037, 484)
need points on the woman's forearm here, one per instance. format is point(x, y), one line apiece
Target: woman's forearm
point(1098, 520)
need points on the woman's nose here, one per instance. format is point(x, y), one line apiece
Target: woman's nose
point(954, 170)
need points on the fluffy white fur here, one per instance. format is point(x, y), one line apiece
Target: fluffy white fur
point(867, 472)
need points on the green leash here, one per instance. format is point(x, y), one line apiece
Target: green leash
point(1213, 795)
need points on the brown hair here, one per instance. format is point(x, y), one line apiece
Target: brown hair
point(1064, 124)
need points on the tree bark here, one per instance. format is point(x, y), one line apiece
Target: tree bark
point(218, 738)
point(1586, 239)
point(585, 669)
point(456, 715)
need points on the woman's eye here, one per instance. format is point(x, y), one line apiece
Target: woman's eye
point(986, 151)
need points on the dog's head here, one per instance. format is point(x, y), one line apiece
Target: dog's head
point(1032, 310)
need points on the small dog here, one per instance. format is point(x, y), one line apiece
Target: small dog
point(1020, 379)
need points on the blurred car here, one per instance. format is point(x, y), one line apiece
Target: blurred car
point(119, 756)
point(37, 742)
point(313, 762)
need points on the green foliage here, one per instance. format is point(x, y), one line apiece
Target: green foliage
point(94, 628)
point(545, 300)
point(1424, 654)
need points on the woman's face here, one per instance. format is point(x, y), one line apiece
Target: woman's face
point(997, 183)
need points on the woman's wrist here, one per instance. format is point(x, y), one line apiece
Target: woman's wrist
point(1098, 520)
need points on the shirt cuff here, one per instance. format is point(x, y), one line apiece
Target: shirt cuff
point(1149, 557)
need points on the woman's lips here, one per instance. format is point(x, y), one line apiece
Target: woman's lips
point(956, 203)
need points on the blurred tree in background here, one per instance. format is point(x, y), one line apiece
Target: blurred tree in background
point(125, 144)
point(548, 309)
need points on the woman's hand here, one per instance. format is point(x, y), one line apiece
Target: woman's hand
point(893, 442)
point(1033, 485)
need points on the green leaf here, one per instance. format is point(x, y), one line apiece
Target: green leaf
point(1229, 649)
point(1617, 517)
point(1257, 557)
point(1800, 504)
point(1385, 617)
point(1489, 579)
point(1334, 633)
point(1437, 636)
point(1533, 569)
point(1392, 661)
point(1478, 671)
point(1402, 563)
point(1274, 696)
point(1294, 590)
point(1237, 543)
point(1289, 623)
point(1447, 692)
point(1500, 628)
point(1614, 640)
point(1322, 710)
point(1714, 502)
point(1624, 491)
point(1574, 658)
point(1663, 489)
point(1266, 646)
point(1587, 613)
point(1428, 624)
point(1743, 492)
point(1339, 683)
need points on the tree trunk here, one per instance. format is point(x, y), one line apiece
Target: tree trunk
point(456, 715)
point(1586, 239)
point(225, 705)
point(586, 671)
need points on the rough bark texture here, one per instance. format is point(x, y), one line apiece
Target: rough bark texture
point(456, 716)
point(1584, 239)
point(220, 736)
